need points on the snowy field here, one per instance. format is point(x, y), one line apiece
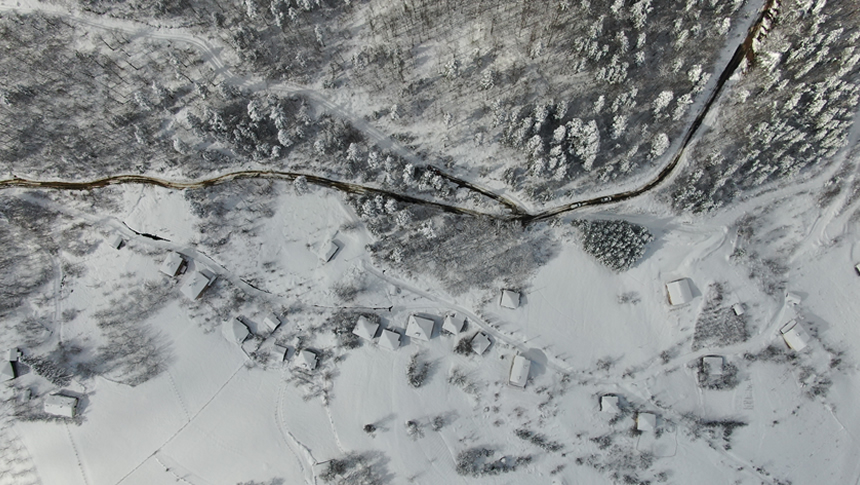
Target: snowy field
point(216, 415)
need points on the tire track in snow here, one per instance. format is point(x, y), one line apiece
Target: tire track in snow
point(288, 437)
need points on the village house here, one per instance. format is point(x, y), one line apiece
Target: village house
point(420, 328)
point(389, 340)
point(794, 335)
point(680, 291)
point(519, 371)
point(307, 359)
point(115, 241)
point(235, 330)
point(712, 365)
point(365, 329)
point(197, 282)
point(173, 264)
point(327, 250)
point(480, 343)
point(609, 403)
point(271, 322)
point(59, 405)
point(509, 299)
point(453, 324)
point(646, 422)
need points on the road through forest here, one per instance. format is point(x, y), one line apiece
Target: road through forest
point(517, 212)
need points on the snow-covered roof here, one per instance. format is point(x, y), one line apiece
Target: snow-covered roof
point(235, 330)
point(115, 241)
point(196, 283)
point(279, 352)
point(480, 343)
point(7, 371)
point(680, 291)
point(453, 323)
point(713, 365)
point(171, 264)
point(520, 371)
point(271, 322)
point(327, 251)
point(510, 299)
point(646, 421)
point(389, 340)
point(12, 354)
point(609, 403)
point(738, 309)
point(59, 405)
point(307, 359)
point(857, 268)
point(795, 336)
point(420, 327)
point(365, 329)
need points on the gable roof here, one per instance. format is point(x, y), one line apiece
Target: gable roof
point(279, 352)
point(510, 299)
point(115, 241)
point(389, 340)
point(365, 329)
point(307, 359)
point(7, 371)
point(480, 343)
point(271, 322)
point(235, 331)
point(171, 264)
point(60, 405)
point(453, 323)
point(646, 421)
point(420, 328)
point(520, 371)
point(794, 335)
point(327, 251)
point(679, 291)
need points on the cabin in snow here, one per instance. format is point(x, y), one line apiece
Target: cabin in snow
point(307, 360)
point(738, 309)
point(327, 250)
point(520, 371)
point(609, 403)
point(235, 330)
point(480, 343)
point(7, 367)
point(712, 365)
point(680, 291)
point(172, 264)
point(509, 299)
point(389, 340)
point(197, 282)
point(279, 353)
point(794, 335)
point(646, 422)
point(271, 322)
point(115, 241)
point(420, 328)
point(453, 324)
point(365, 329)
point(59, 405)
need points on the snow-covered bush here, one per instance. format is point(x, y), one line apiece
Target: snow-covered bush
point(417, 370)
point(616, 244)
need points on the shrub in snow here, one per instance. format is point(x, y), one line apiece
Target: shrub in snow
point(616, 244)
point(538, 440)
point(475, 462)
point(417, 371)
point(728, 379)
